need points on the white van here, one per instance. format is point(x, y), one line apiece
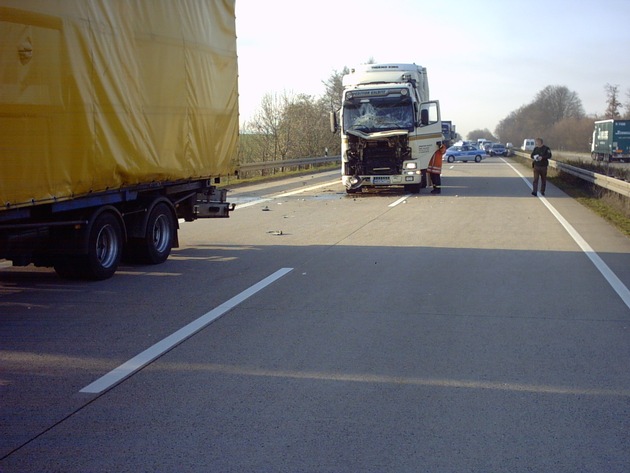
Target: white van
point(481, 142)
point(528, 144)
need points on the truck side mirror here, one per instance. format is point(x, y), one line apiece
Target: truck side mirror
point(424, 117)
point(334, 126)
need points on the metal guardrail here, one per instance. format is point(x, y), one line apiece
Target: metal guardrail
point(288, 163)
point(609, 183)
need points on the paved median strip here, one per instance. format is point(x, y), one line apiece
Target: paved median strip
point(150, 354)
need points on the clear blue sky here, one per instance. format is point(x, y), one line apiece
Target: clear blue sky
point(484, 58)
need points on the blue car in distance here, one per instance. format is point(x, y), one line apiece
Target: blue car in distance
point(464, 153)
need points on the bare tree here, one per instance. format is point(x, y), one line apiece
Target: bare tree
point(334, 88)
point(612, 101)
point(300, 120)
point(266, 140)
point(508, 129)
point(627, 106)
point(557, 103)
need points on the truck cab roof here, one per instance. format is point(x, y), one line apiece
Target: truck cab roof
point(390, 73)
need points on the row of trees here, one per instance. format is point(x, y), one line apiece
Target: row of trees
point(291, 126)
point(288, 126)
point(557, 114)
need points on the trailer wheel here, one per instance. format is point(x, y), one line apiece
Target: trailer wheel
point(105, 244)
point(157, 243)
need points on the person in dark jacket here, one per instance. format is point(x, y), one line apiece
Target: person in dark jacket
point(540, 156)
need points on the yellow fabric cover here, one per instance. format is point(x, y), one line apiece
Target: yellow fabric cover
point(102, 94)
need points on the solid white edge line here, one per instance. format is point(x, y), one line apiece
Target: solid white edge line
point(618, 286)
point(147, 356)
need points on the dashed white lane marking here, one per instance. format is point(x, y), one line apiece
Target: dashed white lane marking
point(147, 356)
point(399, 201)
point(618, 286)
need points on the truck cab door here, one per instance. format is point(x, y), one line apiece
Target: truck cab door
point(430, 120)
point(428, 133)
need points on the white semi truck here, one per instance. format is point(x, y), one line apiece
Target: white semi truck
point(389, 127)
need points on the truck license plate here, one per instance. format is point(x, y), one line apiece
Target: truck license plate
point(381, 180)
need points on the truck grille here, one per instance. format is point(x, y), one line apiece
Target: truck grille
point(378, 158)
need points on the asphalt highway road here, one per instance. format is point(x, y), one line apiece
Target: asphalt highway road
point(479, 330)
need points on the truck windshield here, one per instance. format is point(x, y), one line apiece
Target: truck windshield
point(378, 114)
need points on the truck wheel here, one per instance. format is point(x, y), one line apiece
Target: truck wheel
point(156, 246)
point(105, 244)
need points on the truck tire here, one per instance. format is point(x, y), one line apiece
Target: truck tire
point(104, 251)
point(105, 245)
point(157, 243)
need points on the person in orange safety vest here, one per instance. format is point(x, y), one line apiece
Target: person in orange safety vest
point(435, 169)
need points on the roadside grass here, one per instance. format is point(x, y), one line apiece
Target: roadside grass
point(612, 207)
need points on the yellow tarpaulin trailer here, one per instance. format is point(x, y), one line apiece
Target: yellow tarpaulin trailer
point(117, 117)
point(101, 94)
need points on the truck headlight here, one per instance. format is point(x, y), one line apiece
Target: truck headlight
point(411, 166)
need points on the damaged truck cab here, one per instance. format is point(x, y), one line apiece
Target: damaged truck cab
point(389, 127)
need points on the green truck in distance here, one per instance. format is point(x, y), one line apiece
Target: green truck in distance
point(611, 141)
